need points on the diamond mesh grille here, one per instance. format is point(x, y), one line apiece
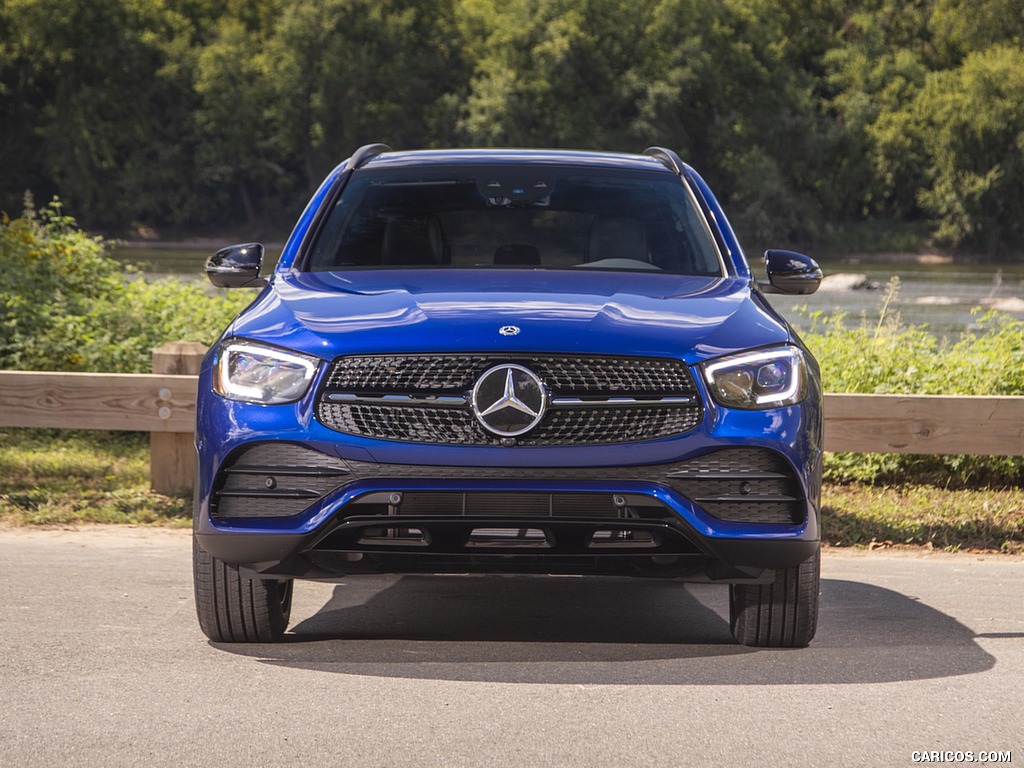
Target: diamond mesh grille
point(440, 374)
point(457, 426)
point(564, 376)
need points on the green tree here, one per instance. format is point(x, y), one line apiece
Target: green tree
point(726, 88)
point(111, 125)
point(351, 72)
point(563, 73)
point(800, 112)
point(875, 69)
point(971, 119)
point(236, 158)
point(961, 27)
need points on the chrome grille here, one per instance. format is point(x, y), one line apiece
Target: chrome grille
point(614, 425)
point(593, 399)
point(404, 373)
point(437, 374)
point(456, 426)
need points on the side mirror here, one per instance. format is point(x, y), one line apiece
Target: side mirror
point(237, 266)
point(791, 273)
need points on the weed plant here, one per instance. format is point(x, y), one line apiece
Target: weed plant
point(66, 305)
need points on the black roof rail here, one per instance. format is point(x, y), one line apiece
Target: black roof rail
point(667, 157)
point(366, 153)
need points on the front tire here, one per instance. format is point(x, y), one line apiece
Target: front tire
point(235, 609)
point(783, 614)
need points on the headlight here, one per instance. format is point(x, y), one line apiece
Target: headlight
point(758, 380)
point(257, 374)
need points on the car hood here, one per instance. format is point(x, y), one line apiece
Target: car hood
point(419, 310)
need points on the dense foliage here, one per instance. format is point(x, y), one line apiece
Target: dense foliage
point(66, 305)
point(806, 115)
point(889, 357)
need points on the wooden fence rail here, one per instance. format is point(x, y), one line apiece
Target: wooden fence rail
point(934, 424)
point(164, 404)
point(141, 402)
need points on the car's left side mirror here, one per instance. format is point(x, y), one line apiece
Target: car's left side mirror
point(237, 266)
point(790, 273)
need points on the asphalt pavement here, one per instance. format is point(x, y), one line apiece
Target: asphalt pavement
point(102, 664)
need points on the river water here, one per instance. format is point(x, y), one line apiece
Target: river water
point(945, 297)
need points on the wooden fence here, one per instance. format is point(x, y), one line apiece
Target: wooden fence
point(163, 403)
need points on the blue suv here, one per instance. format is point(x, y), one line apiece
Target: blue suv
point(510, 361)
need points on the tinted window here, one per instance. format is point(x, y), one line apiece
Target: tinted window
point(514, 218)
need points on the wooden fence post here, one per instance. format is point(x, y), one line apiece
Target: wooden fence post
point(172, 460)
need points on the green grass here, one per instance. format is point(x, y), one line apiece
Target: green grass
point(59, 477)
point(918, 515)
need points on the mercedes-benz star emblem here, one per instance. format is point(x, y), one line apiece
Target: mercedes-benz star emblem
point(509, 330)
point(509, 400)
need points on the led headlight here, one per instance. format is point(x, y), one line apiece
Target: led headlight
point(258, 374)
point(758, 380)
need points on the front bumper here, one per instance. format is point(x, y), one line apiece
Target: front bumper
point(732, 513)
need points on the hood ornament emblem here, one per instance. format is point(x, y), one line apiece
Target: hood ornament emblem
point(509, 330)
point(509, 400)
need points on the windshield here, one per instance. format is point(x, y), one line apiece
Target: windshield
point(537, 217)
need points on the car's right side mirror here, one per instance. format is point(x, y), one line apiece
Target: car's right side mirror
point(790, 273)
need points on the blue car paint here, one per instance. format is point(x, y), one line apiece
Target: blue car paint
point(437, 310)
point(335, 179)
